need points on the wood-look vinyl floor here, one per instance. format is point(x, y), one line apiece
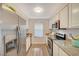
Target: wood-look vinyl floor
point(35, 50)
point(38, 50)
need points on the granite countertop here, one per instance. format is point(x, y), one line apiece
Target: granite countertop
point(67, 47)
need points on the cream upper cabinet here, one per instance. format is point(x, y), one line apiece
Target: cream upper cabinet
point(75, 15)
point(54, 19)
point(70, 16)
point(57, 16)
point(50, 23)
point(64, 17)
point(57, 51)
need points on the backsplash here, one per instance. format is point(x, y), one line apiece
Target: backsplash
point(69, 31)
point(73, 32)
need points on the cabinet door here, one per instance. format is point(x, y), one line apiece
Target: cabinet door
point(70, 16)
point(53, 21)
point(50, 23)
point(27, 43)
point(55, 50)
point(57, 16)
point(75, 15)
point(64, 17)
point(62, 53)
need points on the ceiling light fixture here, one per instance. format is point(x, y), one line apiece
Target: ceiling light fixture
point(38, 9)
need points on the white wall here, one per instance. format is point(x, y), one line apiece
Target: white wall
point(31, 29)
point(8, 18)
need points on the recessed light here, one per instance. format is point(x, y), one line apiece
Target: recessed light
point(38, 9)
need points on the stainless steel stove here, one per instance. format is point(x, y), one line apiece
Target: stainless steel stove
point(60, 36)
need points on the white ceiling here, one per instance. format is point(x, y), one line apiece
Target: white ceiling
point(50, 9)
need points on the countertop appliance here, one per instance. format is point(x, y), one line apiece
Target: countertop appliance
point(60, 36)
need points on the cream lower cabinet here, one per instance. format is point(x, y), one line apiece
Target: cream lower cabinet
point(28, 43)
point(62, 53)
point(57, 51)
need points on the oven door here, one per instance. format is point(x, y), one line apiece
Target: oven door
point(50, 47)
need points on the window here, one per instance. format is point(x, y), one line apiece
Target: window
point(38, 29)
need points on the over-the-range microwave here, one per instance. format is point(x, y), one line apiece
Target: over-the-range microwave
point(56, 25)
